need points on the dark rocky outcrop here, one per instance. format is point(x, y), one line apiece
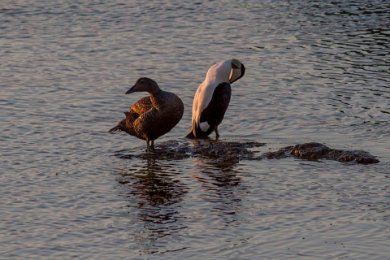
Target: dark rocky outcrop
point(317, 151)
point(228, 153)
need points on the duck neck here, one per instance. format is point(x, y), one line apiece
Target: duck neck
point(154, 90)
point(158, 98)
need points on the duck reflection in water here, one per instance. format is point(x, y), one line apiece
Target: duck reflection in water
point(220, 181)
point(154, 193)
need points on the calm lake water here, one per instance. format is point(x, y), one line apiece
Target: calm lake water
point(316, 71)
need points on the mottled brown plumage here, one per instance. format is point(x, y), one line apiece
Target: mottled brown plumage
point(152, 116)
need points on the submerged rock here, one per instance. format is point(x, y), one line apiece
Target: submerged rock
point(224, 153)
point(182, 149)
point(225, 149)
point(228, 153)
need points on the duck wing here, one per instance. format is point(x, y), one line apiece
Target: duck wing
point(127, 124)
point(212, 113)
point(166, 112)
point(141, 106)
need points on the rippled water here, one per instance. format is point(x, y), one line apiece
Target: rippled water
point(316, 71)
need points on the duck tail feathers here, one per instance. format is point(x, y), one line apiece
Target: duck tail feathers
point(115, 129)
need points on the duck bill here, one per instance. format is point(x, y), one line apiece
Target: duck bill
point(131, 90)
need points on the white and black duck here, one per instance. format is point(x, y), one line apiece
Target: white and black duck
point(212, 97)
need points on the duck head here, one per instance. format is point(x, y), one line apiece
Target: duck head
point(237, 71)
point(226, 71)
point(144, 84)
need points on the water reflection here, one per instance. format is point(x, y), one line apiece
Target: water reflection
point(213, 172)
point(220, 185)
point(154, 192)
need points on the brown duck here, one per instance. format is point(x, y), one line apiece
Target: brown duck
point(152, 116)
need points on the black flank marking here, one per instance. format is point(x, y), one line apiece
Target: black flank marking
point(213, 114)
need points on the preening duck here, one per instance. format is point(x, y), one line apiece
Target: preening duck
point(152, 116)
point(213, 96)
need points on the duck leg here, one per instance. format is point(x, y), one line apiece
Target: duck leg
point(147, 145)
point(216, 132)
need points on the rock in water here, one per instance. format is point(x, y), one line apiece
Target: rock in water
point(317, 151)
point(227, 153)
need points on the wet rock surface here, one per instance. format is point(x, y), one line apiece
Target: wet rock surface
point(317, 151)
point(232, 152)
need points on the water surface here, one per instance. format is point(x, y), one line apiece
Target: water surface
point(316, 71)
